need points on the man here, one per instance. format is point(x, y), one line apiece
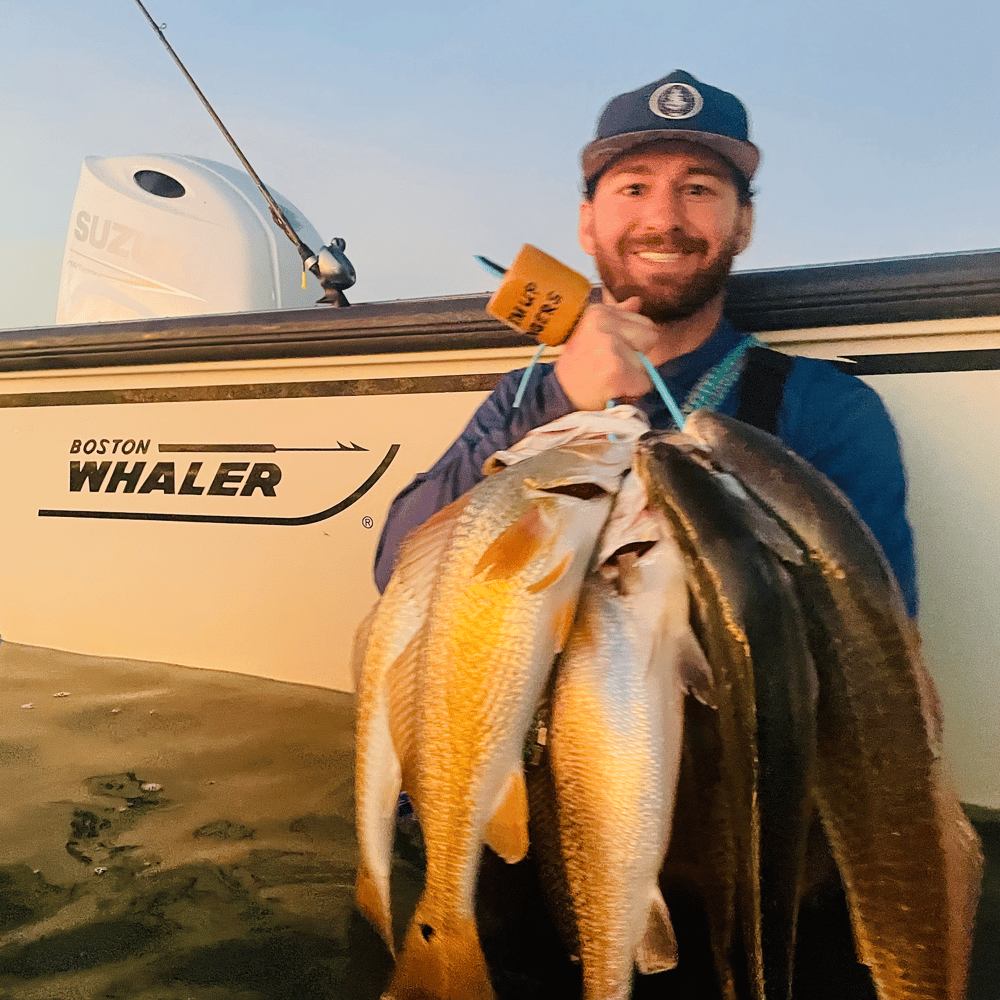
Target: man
point(667, 207)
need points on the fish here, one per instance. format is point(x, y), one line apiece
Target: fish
point(754, 635)
point(909, 859)
point(613, 748)
point(498, 600)
point(387, 682)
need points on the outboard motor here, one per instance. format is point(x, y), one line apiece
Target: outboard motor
point(173, 235)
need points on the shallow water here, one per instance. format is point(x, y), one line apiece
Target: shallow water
point(177, 834)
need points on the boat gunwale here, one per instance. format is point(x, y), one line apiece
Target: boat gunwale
point(892, 290)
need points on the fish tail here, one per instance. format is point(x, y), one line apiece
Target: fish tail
point(377, 782)
point(372, 900)
point(441, 963)
point(657, 949)
point(964, 871)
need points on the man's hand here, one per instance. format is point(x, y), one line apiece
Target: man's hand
point(599, 361)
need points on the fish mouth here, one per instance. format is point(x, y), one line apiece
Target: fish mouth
point(651, 441)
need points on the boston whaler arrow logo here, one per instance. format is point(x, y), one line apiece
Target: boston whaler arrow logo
point(204, 474)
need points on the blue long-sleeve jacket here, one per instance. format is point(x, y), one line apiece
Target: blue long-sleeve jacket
point(832, 419)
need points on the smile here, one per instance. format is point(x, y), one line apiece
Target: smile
point(658, 257)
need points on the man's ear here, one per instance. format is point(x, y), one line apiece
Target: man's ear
point(585, 229)
point(744, 227)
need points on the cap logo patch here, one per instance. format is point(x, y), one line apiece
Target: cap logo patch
point(675, 100)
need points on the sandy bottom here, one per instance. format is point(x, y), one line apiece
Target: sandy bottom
point(175, 833)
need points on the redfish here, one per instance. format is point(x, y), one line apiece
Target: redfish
point(497, 598)
point(614, 748)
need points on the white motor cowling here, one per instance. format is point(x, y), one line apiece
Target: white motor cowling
point(172, 235)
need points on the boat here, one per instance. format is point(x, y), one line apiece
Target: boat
point(208, 490)
point(200, 457)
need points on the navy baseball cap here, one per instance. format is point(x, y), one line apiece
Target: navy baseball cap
point(675, 107)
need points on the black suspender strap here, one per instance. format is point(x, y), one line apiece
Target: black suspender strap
point(762, 386)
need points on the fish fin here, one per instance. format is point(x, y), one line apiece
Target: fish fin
point(766, 528)
point(657, 951)
point(429, 539)
point(440, 961)
point(368, 896)
point(507, 830)
point(421, 555)
point(403, 703)
point(517, 545)
point(360, 647)
point(371, 888)
point(377, 785)
point(695, 671)
point(553, 576)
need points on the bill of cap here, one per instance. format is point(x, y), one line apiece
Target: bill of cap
point(745, 156)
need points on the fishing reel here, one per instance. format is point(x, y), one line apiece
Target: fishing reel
point(334, 271)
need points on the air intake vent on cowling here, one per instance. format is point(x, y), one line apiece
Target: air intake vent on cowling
point(159, 184)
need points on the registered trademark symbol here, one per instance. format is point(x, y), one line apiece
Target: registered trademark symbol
point(368, 522)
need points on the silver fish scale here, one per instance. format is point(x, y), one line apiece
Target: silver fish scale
point(614, 774)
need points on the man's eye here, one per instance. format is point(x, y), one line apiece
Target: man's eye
point(633, 190)
point(699, 190)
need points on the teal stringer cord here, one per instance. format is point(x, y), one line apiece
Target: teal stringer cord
point(710, 390)
point(519, 395)
point(707, 393)
point(661, 388)
point(654, 375)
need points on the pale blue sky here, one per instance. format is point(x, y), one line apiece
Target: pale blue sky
point(426, 133)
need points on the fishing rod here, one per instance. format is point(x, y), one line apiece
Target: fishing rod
point(330, 266)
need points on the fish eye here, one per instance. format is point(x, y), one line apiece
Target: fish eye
point(638, 549)
point(582, 491)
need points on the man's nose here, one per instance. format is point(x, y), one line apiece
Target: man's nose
point(664, 211)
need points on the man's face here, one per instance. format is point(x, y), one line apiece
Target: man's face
point(665, 223)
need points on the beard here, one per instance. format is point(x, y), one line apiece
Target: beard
point(666, 299)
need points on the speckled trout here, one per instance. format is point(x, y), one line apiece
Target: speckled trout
point(752, 630)
point(909, 859)
point(614, 746)
point(470, 664)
